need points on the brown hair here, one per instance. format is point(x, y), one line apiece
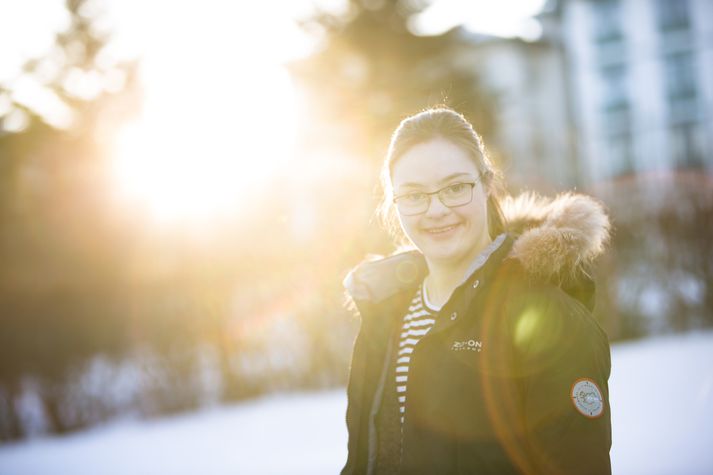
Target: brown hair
point(441, 122)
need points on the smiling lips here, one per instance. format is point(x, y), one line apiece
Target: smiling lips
point(441, 230)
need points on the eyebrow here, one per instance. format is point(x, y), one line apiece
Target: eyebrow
point(444, 180)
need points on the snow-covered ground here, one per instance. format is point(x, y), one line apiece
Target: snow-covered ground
point(661, 395)
point(662, 413)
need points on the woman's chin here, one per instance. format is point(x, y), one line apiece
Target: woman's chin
point(440, 255)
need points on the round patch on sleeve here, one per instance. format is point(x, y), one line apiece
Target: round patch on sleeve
point(587, 398)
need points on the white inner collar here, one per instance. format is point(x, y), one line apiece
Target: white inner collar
point(478, 262)
point(430, 306)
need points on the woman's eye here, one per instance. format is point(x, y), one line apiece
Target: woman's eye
point(457, 188)
point(414, 197)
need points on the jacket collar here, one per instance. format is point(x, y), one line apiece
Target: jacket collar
point(376, 281)
point(553, 239)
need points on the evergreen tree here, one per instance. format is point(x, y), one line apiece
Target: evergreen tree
point(371, 71)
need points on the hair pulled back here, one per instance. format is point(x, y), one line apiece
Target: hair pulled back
point(444, 123)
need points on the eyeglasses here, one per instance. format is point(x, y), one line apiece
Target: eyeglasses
point(417, 202)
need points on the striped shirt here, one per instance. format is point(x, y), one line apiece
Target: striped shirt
point(416, 323)
point(420, 318)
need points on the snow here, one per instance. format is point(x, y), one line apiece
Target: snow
point(661, 401)
point(661, 396)
point(295, 434)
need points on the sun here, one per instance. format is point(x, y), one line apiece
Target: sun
point(200, 160)
point(218, 115)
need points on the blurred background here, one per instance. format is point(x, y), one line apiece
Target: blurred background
point(184, 185)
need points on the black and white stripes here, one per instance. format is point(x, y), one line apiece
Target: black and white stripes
point(417, 322)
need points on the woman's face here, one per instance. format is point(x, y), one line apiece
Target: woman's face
point(444, 235)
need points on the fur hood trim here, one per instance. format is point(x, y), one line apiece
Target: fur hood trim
point(558, 238)
point(554, 239)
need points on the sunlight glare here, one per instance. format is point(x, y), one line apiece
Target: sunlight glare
point(202, 161)
point(218, 115)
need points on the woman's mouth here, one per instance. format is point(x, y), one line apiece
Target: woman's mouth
point(441, 230)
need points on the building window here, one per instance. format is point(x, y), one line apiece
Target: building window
point(673, 14)
point(607, 21)
point(615, 100)
point(686, 145)
point(620, 154)
point(680, 75)
point(615, 94)
point(681, 87)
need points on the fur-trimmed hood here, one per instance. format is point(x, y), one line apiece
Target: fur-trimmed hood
point(555, 239)
point(558, 238)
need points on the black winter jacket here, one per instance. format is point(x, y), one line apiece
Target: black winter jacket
point(511, 379)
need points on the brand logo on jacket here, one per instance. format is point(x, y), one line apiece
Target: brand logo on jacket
point(467, 345)
point(587, 398)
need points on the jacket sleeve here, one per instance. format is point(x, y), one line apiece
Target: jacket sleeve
point(564, 359)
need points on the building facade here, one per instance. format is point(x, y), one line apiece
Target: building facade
point(613, 89)
point(641, 81)
point(533, 140)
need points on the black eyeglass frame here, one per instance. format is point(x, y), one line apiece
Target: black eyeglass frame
point(440, 198)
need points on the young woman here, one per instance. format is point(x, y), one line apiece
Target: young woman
point(478, 352)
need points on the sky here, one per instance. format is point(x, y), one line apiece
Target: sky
point(205, 136)
point(507, 18)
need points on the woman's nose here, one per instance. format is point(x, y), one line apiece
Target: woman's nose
point(436, 207)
